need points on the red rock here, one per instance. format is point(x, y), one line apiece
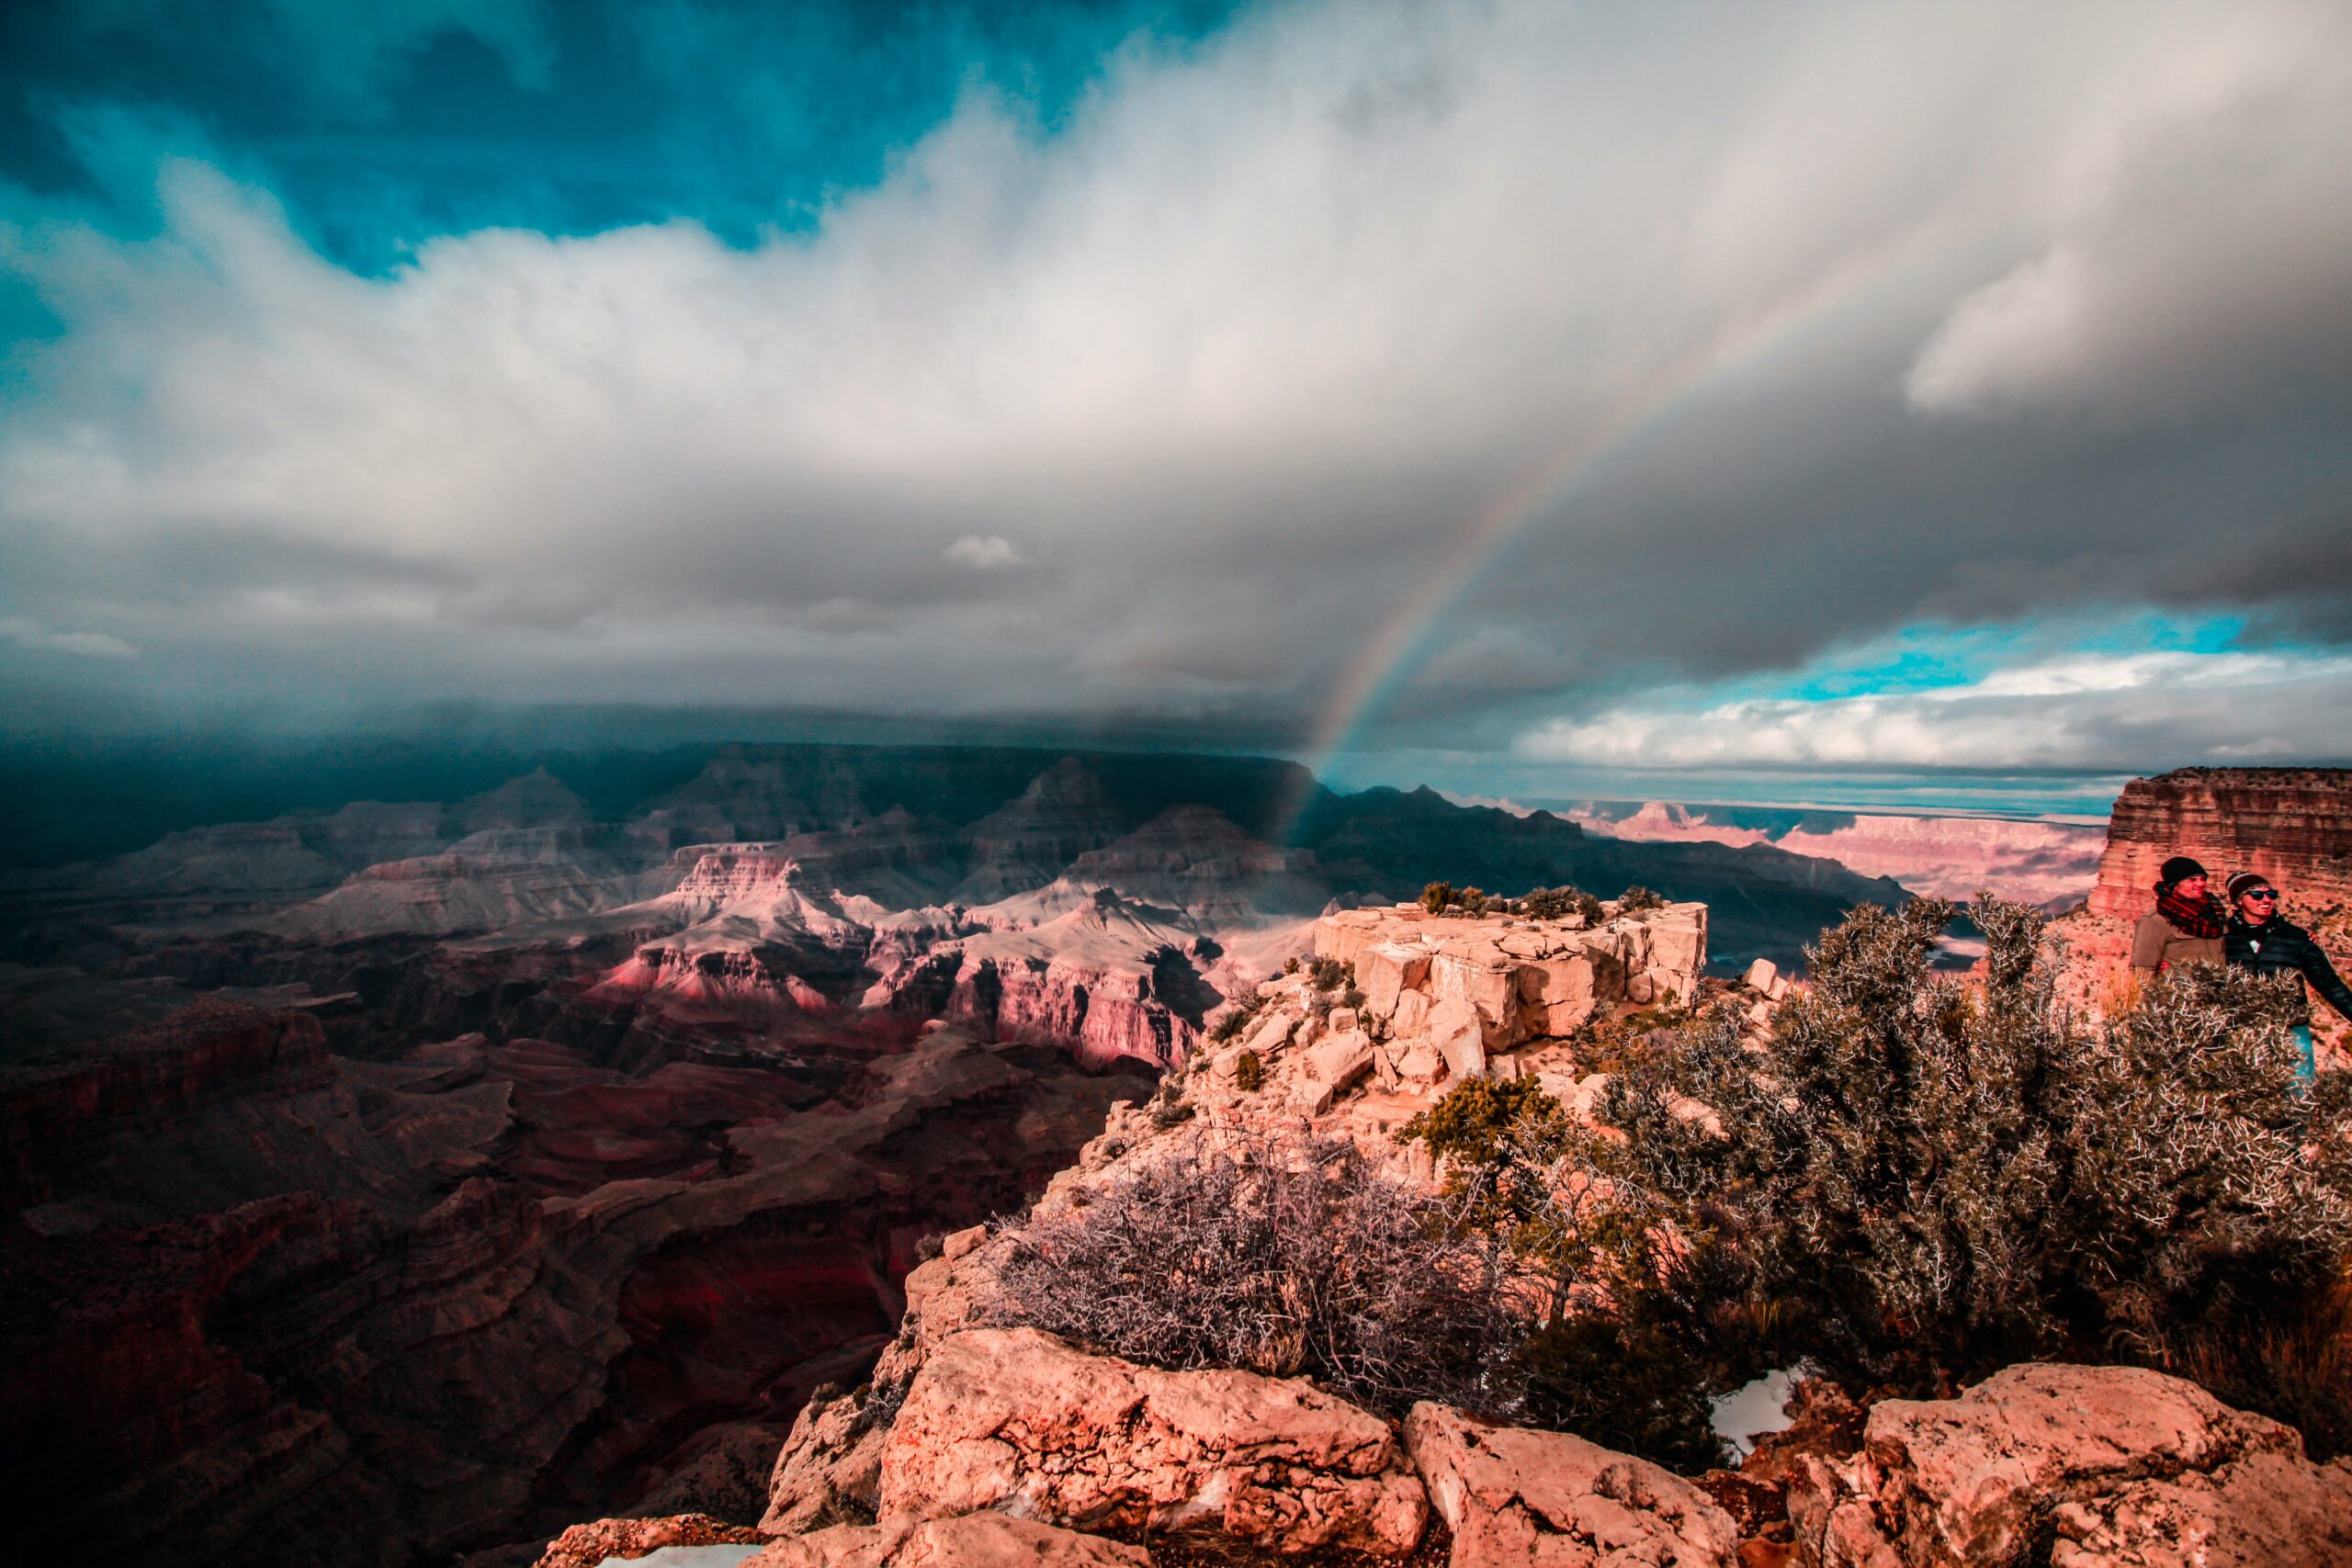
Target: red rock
point(1553, 1500)
point(2131, 1468)
point(1017, 1419)
point(586, 1546)
point(972, 1540)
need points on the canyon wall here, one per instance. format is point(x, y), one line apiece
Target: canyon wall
point(2294, 825)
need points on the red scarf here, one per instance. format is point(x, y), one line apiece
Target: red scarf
point(2199, 918)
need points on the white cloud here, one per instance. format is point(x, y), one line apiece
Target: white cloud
point(1237, 354)
point(992, 553)
point(2087, 714)
point(88, 645)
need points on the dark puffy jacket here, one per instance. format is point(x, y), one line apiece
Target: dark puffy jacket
point(2278, 946)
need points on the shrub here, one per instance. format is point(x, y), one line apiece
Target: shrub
point(930, 1244)
point(1920, 1179)
point(1937, 1178)
point(1436, 897)
point(1558, 902)
point(1638, 898)
point(1330, 973)
point(1290, 964)
point(1250, 1073)
point(1288, 1257)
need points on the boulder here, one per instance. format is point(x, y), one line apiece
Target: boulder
point(1273, 1034)
point(1413, 1009)
point(1514, 1497)
point(1679, 939)
point(2098, 1467)
point(585, 1546)
point(1327, 1070)
point(1761, 974)
point(1560, 993)
point(830, 1468)
point(973, 1540)
point(1477, 974)
point(956, 1245)
point(1458, 1032)
point(1387, 970)
point(1017, 1419)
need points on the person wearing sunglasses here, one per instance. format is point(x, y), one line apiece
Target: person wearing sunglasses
point(2262, 940)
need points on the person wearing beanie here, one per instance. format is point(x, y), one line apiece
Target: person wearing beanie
point(2186, 926)
point(2262, 941)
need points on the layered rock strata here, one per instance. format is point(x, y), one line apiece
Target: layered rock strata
point(2292, 825)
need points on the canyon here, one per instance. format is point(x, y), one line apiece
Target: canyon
point(397, 1182)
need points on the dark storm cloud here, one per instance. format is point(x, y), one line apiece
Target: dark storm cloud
point(1799, 329)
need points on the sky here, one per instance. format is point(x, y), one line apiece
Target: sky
point(1835, 403)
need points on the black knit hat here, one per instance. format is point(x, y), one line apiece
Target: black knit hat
point(2178, 869)
point(2245, 882)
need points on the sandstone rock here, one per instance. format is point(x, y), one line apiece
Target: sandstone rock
point(1342, 1020)
point(973, 1540)
point(1017, 1419)
point(1562, 991)
point(1386, 970)
point(1412, 1015)
point(1761, 974)
point(2133, 1467)
point(1458, 1034)
point(1476, 975)
point(1273, 1034)
point(1418, 1062)
point(586, 1546)
point(830, 1468)
point(957, 1244)
point(1329, 1068)
point(1553, 1500)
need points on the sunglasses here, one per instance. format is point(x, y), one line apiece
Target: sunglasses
point(2261, 895)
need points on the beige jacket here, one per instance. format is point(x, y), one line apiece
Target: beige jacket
point(2156, 943)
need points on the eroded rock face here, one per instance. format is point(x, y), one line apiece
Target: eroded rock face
point(1550, 1499)
point(1445, 994)
point(2100, 1467)
point(1017, 1420)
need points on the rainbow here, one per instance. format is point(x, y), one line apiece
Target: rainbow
point(1398, 649)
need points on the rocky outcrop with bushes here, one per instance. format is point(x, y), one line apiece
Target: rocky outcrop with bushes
point(2063, 1291)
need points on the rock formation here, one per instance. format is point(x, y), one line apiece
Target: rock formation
point(2087, 1467)
point(2294, 825)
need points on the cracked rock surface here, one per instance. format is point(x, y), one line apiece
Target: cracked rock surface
point(1553, 1500)
point(1016, 1420)
point(2080, 1467)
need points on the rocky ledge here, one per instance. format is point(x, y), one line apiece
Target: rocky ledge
point(976, 1443)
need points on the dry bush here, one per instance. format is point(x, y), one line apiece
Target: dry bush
point(1287, 1257)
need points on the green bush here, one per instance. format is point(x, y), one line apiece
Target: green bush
point(1250, 1073)
point(1436, 897)
point(1638, 898)
point(1934, 1178)
point(1918, 1180)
